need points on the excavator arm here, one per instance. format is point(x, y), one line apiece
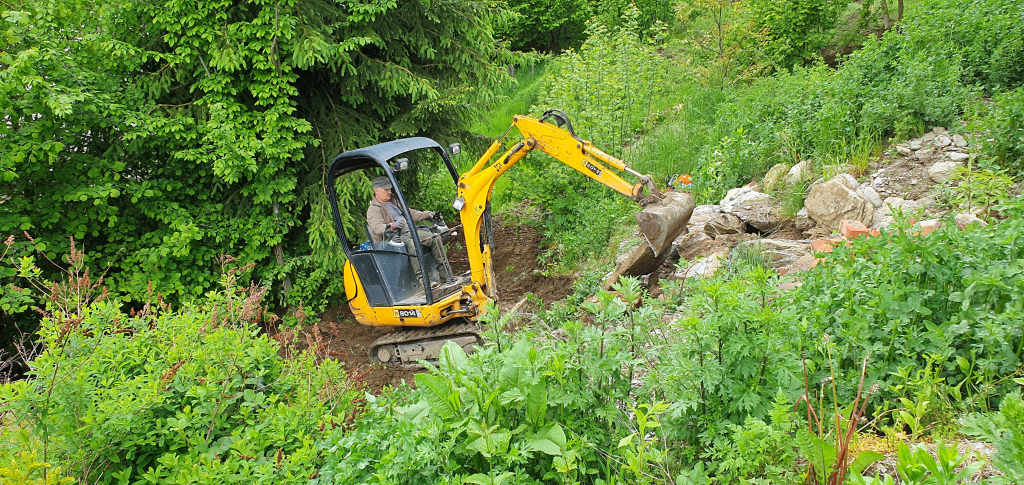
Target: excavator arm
point(664, 216)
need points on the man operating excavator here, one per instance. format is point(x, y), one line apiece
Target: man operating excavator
point(383, 215)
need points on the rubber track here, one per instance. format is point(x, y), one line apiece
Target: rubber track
point(413, 334)
point(440, 332)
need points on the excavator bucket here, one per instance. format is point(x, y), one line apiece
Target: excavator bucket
point(662, 222)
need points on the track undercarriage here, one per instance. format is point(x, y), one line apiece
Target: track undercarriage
point(407, 346)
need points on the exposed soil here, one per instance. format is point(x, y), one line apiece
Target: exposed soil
point(518, 272)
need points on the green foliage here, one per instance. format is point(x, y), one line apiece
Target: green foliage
point(1006, 127)
point(979, 190)
point(1005, 430)
point(950, 300)
point(551, 410)
point(735, 352)
point(796, 29)
point(484, 416)
point(721, 41)
point(758, 449)
point(917, 467)
point(549, 26)
point(597, 88)
point(162, 135)
point(192, 396)
point(22, 466)
point(609, 86)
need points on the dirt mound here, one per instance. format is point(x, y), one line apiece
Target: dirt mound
point(518, 272)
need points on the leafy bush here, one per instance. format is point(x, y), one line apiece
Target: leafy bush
point(735, 351)
point(609, 86)
point(797, 29)
point(196, 395)
point(951, 299)
point(1006, 128)
point(758, 449)
point(1004, 429)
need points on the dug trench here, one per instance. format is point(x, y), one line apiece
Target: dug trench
point(516, 262)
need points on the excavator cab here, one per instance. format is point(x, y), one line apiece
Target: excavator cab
point(384, 269)
point(381, 285)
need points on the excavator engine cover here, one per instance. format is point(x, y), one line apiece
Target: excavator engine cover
point(663, 221)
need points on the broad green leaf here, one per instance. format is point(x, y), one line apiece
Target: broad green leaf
point(537, 402)
point(545, 446)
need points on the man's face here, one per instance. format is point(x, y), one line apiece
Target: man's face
point(382, 194)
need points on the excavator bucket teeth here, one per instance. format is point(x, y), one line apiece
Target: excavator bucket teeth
point(661, 222)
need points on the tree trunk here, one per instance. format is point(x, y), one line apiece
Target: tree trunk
point(279, 256)
point(899, 10)
point(886, 19)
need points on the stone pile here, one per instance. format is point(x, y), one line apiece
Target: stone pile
point(750, 219)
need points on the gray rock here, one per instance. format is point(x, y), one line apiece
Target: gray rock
point(884, 215)
point(704, 268)
point(966, 219)
point(774, 176)
point(943, 141)
point(928, 137)
point(939, 130)
point(958, 157)
point(701, 215)
point(871, 195)
point(941, 171)
point(757, 209)
point(778, 252)
point(904, 149)
point(723, 223)
point(837, 199)
point(915, 144)
point(959, 141)
point(802, 221)
point(694, 245)
point(800, 172)
point(923, 153)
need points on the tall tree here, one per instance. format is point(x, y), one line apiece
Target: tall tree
point(164, 134)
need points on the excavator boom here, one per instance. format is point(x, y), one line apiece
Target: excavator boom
point(663, 218)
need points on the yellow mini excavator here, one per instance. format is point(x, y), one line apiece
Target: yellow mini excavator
point(381, 285)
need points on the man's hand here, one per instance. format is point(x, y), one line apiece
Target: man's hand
point(399, 224)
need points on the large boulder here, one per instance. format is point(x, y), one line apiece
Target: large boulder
point(830, 202)
point(942, 171)
point(723, 223)
point(884, 215)
point(774, 176)
point(803, 221)
point(704, 268)
point(957, 157)
point(779, 253)
point(800, 172)
point(966, 219)
point(693, 245)
point(759, 210)
point(701, 215)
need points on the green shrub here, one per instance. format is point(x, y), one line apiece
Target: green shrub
point(192, 396)
point(797, 29)
point(951, 300)
point(735, 351)
point(1005, 430)
point(1006, 128)
point(758, 449)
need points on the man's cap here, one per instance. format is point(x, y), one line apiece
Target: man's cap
point(382, 182)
